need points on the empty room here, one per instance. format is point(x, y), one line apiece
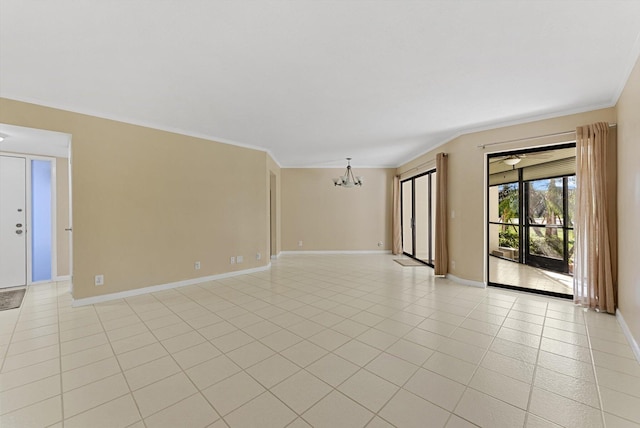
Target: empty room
point(319, 213)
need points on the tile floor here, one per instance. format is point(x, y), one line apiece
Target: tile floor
point(511, 273)
point(321, 341)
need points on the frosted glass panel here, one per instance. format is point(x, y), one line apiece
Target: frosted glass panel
point(41, 220)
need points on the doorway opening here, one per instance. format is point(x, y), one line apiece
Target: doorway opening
point(418, 195)
point(35, 206)
point(27, 220)
point(531, 208)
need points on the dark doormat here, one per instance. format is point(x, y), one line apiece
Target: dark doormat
point(409, 262)
point(11, 299)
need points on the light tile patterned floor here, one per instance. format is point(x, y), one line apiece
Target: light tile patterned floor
point(506, 272)
point(322, 341)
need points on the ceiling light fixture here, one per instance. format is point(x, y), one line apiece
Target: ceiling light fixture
point(512, 160)
point(348, 179)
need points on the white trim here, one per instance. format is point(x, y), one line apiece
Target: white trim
point(336, 252)
point(141, 123)
point(469, 282)
point(62, 278)
point(472, 129)
point(341, 166)
point(627, 333)
point(54, 219)
point(160, 287)
point(28, 219)
point(69, 233)
point(276, 256)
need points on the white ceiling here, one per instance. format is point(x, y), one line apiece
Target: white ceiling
point(316, 81)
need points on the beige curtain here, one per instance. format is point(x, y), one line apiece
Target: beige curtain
point(396, 227)
point(595, 266)
point(442, 247)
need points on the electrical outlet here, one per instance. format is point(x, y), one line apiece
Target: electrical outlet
point(99, 280)
point(453, 264)
point(379, 243)
point(239, 259)
point(258, 256)
point(299, 243)
point(233, 260)
point(196, 265)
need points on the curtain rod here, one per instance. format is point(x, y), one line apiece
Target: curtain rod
point(611, 125)
point(423, 164)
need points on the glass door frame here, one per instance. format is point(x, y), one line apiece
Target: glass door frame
point(542, 262)
point(430, 216)
point(523, 242)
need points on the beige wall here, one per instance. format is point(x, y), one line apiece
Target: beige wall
point(326, 217)
point(467, 181)
point(628, 108)
point(147, 204)
point(62, 215)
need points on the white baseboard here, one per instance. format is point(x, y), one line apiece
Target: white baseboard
point(469, 282)
point(154, 288)
point(337, 252)
point(627, 333)
point(63, 278)
point(275, 256)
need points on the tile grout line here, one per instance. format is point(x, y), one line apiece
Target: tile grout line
point(13, 331)
point(60, 361)
point(38, 380)
point(235, 293)
point(585, 311)
point(535, 369)
point(466, 386)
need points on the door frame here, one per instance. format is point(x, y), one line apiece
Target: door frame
point(538, 261)
point(487, 250)
point(54, 204)
point(430, 214)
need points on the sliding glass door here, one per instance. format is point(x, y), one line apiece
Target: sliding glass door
point(418, 217)
point(548, 227)
point(531, 207)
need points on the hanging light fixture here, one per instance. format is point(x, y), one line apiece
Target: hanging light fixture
point(348, 179)
point(512, 160)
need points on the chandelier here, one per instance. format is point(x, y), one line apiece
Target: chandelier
point(348, 179)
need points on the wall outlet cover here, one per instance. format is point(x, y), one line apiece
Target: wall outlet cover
point(99, 280)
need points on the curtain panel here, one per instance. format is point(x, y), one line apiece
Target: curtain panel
point(441, 250)
point(595, 252)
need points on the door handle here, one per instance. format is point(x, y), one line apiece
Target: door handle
point(68, 229)
point(19, 232)
point(19, 225)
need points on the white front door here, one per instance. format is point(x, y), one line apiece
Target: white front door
point(13, 219)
